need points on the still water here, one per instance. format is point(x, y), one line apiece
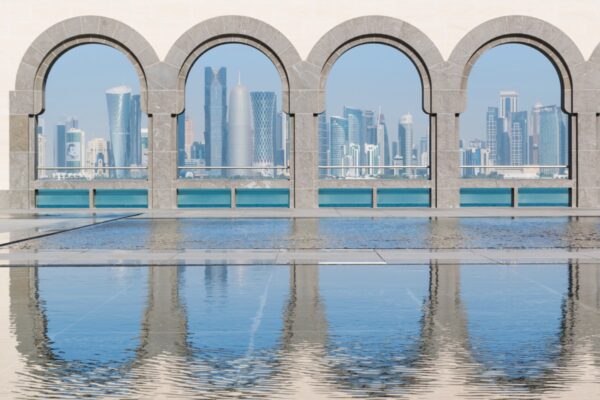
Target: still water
point(328, 233)
point(407, 331)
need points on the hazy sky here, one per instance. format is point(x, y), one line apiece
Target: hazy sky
point(367, 76)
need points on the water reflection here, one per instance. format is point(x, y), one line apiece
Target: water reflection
point(310, 331)
point(168, 234)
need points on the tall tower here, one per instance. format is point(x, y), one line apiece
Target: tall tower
point(508, 105)
point(492, 126)
point(118, 101)
point(135, 132)
point(518, 138)
point(41, 148)
point(239, 135)
point(534, 128)
point(74, 149)
point(97, 157)
point(550, 124)
point(215, 117)
point(264, 114)
point(338, 133)
point(405, 138)
point(59, 147)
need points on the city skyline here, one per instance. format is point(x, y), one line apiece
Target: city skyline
point(348, 63)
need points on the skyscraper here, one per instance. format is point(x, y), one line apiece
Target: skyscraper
point(405, 140)
point(508, 105)
point(518, 138)
point(190, 137)
point(354, 116)
point(493, 125)
point(135, 131)
point(239, 133)
point(264, 114)
point(215, 116)
point(534, 128)
point(97, 158)
point(74, 149)
point(324, 148)
point(338, 134)
point(118, 101)
point(549, 149)
point(59, 147)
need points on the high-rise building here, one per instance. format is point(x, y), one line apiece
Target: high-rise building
point(370, 121)
point(215, 117)
point(59, 147)
point(493, 125)
point(356, 123)
point(264, 114)
point(508, 105)
point(338, 127)
point(534, 129)
point(118, 100)
point(190, 136)
point(518, 138)
point(74, 149)
point(405, 140)
point(135, 131)
point(281, 142)
point(239, 133)
point(324, 147)
point(197, 151)
point(372, 159)
point(381, 139)
point(97, 158)
point(549, 148)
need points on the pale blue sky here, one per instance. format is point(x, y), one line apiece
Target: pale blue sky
point(368, 76)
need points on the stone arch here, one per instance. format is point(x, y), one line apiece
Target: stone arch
point(230, 29)
point(400, 35)
point(560, 50)
point(50, 45)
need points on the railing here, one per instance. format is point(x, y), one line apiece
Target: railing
point(233, 172)
point(528, 171)
point(374, 171)
point(91, 173)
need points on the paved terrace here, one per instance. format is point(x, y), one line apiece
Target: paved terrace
point(21, 232)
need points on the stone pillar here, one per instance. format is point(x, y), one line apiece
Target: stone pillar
point(447, 161)
point(22, 152)
point(305, 155)
point(163, 160)
point(584, 155)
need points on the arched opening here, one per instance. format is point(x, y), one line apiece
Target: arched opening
point(233, 125)
point(92, 126)
point(374, 126)
point(514, 126)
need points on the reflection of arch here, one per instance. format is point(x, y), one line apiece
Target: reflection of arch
point(61, 37)
point(549, 40)
point(374, 29)
point(230, 29)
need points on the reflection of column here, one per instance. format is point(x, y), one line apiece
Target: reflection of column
point(304, 338)
point(27, 316)
point(445, 338)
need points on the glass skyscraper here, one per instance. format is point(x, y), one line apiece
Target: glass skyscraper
point(324, 146)
point(215, 116)
point(549, 150)
point(264, 114)
point(339, 133)
point(118, 101)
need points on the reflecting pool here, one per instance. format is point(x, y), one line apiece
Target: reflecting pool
point(310, 331)
point(327, 233)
